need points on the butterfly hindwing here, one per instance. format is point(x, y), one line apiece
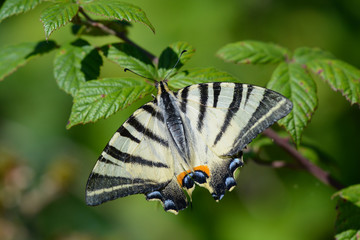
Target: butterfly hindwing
point(136, 160)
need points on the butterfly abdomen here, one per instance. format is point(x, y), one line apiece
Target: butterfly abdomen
point(173, 121)
point(176, 129)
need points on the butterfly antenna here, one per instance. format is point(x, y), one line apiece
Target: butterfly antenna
point(172, 69)
point(126, 69)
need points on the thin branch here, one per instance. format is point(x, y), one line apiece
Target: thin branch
point(120, 35)
point(277, 164)
point(316, 171)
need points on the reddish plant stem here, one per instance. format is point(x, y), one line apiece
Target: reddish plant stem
point(277, 164)
point(316, 171)
point(120, 35)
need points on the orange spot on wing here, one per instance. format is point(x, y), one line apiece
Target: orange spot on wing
point(181, 176)
point(202, 168)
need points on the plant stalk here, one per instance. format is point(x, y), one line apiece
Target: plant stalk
point(120, 35)
point(316, 171)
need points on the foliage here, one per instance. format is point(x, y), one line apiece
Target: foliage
point(77, 70)
point(348, 208)
point(12, 57)
point(75, 63)
point(294, 77)
point(10, 8)
point(101, 98)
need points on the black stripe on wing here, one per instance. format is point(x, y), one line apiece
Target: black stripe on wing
point(217, 91)
point(150, 109)
point(98, 182)
point(232, 110)
point(131, 159)
point(107, 161)
point(248, 93)
point(104, 181)
point(184, 95)
point(125, 133)
point(270, 101)
point(204, 95)
point(132, 121)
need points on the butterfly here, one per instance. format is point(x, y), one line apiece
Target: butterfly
point(194, 136)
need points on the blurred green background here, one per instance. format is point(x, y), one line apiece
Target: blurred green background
point(44, 167)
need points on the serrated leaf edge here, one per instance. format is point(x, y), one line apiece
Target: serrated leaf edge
point(70, 125)
point(149, 25)
point(18, 13)
point(47, 35)
point(308, 119)
point(286, 55)
point(318, 74)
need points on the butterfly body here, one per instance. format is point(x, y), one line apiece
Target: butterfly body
point(181, 139)
point(167, 102)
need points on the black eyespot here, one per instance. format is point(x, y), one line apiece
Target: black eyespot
point(237, 162)
point(199, 176)
point(230, 182)
point(187, 181)
point(154, 195)
point(169, 205)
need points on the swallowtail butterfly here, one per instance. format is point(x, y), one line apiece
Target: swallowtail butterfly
point(180, 139)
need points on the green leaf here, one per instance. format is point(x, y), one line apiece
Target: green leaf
point(170, 56)
point(294, 82)
point(12, 7)
point(102, 98)
point(12, 57)
point(199, 75)
point(132, 58)
point(57, 15)
point(75, 63)
point(350, 234)
point(304, 55)
point(115, 9)
point(347, 225)
point(340, 76)
point(350, 194)
point(253, 52)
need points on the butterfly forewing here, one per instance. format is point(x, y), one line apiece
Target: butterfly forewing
point(227, 116)
point(223, 118)
point(136, 160)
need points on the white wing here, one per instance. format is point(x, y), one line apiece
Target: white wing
point(137, 159)
point(223, 119)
